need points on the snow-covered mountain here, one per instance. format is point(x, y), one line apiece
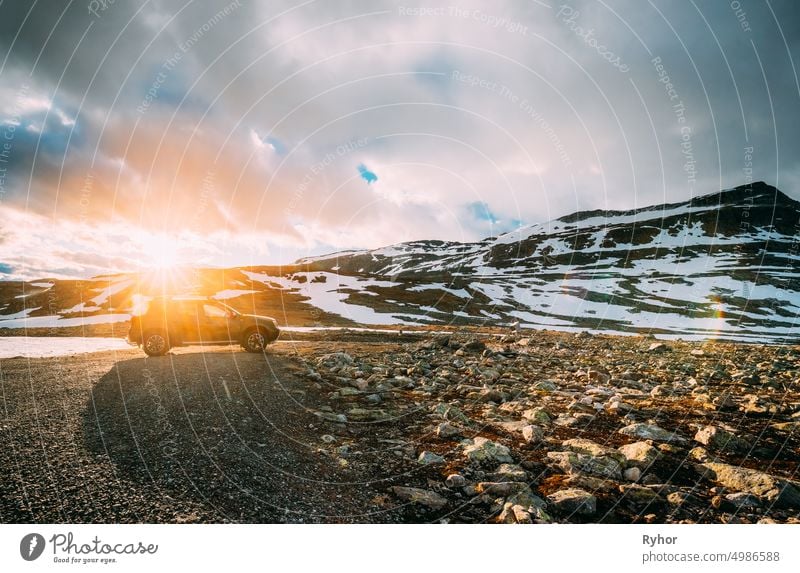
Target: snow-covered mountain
point(723, 265)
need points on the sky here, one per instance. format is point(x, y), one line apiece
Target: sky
point(223, 133)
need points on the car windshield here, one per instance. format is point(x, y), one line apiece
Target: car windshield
point(228, 309)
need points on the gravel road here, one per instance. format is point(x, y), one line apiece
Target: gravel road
point(198, 436)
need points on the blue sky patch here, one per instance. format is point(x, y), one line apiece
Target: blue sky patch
point(275, 143)
point(480, 210)
point(6, 269)
point(366, 174)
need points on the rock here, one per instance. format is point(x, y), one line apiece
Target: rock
point(327, 438)
point(503, 488)
point(699, 454)
point(770, 489)
point(572, 462)
point(450, 413)
point(366, 414)
point(639, 495)
point(473, 346)
point(483, 450)
point(514, 513)
point(429, 458)
point(509, 472)
point(537, 416)
point(744, 500)
point(757, 405)
point(660, 391)
point(335, 360)
point(332, 417)
point(455, 480)
point(652, 432)
point(544, 386)
point(596, 375)
point(590, 483)
point(588, 447)
point(632, 474)
point(793, 426)
point(512, 427)
point(447, 430)
point(719, 439)
point(658, 347)
point(423, 497)
point(639, 454)
point(374, 399)
point(574, 500)
point(532, 434)
point(678, 498)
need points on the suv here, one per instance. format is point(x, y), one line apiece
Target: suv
point(179, 321)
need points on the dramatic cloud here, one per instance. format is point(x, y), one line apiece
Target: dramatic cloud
point(243, 132)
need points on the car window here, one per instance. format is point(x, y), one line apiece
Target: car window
point(212, 311)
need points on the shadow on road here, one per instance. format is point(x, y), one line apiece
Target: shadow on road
point(219, 436)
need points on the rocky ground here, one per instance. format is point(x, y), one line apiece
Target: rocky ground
point(440, 427)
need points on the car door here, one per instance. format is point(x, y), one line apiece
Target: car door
point(191, 321)
point(215, 325)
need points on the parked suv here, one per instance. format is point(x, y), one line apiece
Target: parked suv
point(179, 321)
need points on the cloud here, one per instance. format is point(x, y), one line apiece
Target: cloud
point(147, 120)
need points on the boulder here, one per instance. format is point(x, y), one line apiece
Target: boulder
point(429, 458)
point(483, 450)
point(770, 489)
point(574, 501)
point(652, 432)
point(639, 454)
point(572, 462)
point(422, 497)
point(719, 439)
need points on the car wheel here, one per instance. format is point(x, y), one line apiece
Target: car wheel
point(254, 341)
point(155, 343)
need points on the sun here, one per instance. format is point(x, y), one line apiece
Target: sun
point(165, 257)
point(164, 270)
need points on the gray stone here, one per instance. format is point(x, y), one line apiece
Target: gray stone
point(332, 417)
point(423, 497)
point(771, 489)
point(544, 386)
point(450, 413)
point(455, 480)
point(639, 495)
point(632, 474)
point(503, 488)
point(429, 458)
point(536, 416)
point(447, 430)
point(719, 439)
point(574, 501)
point(652, 432)
point(573, 462)
point(584, 446)
point(532, 434)
point(483, 450)
point(509, 472)
point(744, 500)
point(639, 454)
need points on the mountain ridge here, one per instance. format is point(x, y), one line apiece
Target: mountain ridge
point(721, 265)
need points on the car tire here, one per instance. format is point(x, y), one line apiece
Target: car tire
point(155, 343)
point(254, 340)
